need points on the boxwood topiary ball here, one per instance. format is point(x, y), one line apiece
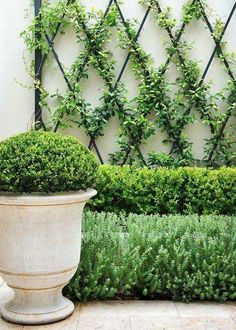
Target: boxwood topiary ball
point(40, 161)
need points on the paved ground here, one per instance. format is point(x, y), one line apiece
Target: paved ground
point(138, 315)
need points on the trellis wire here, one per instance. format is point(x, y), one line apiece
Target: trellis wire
point(40, 60)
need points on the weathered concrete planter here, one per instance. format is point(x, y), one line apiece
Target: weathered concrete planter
point(39, 253)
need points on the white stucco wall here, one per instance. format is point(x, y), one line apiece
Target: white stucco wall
point(17, 103)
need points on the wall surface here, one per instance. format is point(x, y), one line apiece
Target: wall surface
point(17, 103)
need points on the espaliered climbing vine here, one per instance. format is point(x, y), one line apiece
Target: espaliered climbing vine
point(175, 105)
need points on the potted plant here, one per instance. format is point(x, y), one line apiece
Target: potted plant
point(45, 181)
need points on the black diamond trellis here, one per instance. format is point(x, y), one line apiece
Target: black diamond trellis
point(175, 39)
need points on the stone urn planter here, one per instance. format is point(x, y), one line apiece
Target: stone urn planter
point(41, 232)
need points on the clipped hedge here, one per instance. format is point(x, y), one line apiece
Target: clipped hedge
point(174, 257)
point(166, 191)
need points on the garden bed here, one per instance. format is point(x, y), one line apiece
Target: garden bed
point(152, 257)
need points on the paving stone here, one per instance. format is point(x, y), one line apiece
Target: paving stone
point(98, 322)
point(144, 322)
point(156, 323)
point(151, 308)
point(104, 308)
point(208, 324)
point(232, 306)
point(205, 310)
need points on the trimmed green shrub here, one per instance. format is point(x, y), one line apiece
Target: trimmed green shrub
point(174, 257)
point(40, 161)
point(166, 191)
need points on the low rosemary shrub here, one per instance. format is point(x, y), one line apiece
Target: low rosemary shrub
point(40, 161)
point(172, 257)
point(165, 190)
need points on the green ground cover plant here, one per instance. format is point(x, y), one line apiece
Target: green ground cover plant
point(166, 190)
point(40, 161)
point(152, 257)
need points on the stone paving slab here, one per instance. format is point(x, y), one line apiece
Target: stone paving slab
point(137, 315)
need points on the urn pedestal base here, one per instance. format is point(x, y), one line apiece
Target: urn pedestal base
point(37, 306)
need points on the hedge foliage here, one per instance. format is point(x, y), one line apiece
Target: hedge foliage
point(40, 161)
point(173, 257)
point(165, 190)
